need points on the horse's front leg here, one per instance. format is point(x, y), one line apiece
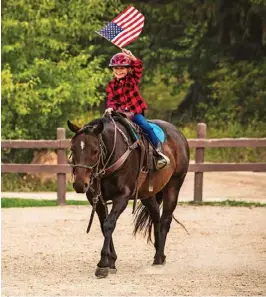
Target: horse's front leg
point(102, 215)
point(119, 204)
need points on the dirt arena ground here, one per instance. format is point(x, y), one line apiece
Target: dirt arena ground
point(46, 252)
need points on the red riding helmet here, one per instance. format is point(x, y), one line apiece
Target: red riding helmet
point(121, 60)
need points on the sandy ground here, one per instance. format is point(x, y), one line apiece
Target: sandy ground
point(46, 252)
point(217, 186)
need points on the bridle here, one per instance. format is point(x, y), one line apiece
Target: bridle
point(91, 167)
point(84, 166)
point(99, 172)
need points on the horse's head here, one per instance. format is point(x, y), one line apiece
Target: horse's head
point(85, 152)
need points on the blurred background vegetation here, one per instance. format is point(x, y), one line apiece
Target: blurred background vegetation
point(205, 61)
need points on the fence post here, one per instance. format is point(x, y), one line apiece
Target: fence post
point(199, 158)
point(61, 177)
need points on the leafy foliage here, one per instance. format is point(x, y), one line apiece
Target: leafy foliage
point(204, 60)
point(220, 45)
point(50, 70)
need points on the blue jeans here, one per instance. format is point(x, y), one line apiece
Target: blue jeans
point(140, 120)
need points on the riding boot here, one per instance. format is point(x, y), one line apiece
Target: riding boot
point(162, 160)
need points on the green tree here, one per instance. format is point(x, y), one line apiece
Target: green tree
point(51, 70)
point(162, 96)
point(221, 45)
point(203, 57)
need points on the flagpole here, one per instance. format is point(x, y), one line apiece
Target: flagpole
point(108, 39)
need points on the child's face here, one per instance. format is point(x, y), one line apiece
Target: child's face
point(120, 72)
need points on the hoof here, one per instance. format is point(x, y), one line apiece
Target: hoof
point(112, 270)
point(101, 272)
point(160, 261)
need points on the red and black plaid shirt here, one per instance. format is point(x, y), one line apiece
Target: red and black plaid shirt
point(124, 93)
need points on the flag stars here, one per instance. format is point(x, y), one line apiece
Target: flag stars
point(110, 31)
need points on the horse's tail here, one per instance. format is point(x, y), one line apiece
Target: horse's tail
point(143, 221)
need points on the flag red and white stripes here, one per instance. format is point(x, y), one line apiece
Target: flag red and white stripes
point(125, 28)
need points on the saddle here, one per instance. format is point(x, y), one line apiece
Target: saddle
point(148, 154)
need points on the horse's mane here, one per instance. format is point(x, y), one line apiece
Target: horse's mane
point(95, 122)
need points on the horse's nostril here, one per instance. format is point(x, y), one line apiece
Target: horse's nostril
point(79, 187)
point(86, 185)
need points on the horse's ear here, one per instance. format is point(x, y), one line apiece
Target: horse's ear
point(73, 127)
point(98, 128)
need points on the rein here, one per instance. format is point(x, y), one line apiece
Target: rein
point(99, 173)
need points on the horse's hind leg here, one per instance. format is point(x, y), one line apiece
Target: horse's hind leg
point(154, 210)
point(170, 197)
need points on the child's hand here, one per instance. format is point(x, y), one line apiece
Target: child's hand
point(108, 111)
point(127, 52)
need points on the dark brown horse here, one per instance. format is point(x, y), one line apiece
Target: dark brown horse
point(96, 149)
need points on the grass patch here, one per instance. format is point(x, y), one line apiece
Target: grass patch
point(224, 203)
point(16, 202)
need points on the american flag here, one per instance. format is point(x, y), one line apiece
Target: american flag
point(125, 28)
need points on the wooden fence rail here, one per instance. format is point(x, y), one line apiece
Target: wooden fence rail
point(62, 168)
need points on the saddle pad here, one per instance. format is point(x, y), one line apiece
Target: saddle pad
point(158, 131)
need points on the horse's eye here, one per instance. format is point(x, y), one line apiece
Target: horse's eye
point(94, 151)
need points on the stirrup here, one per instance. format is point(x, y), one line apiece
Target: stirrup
point(162, 161)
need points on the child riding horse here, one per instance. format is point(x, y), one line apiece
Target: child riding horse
point(123, 94)
point(106, 165)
